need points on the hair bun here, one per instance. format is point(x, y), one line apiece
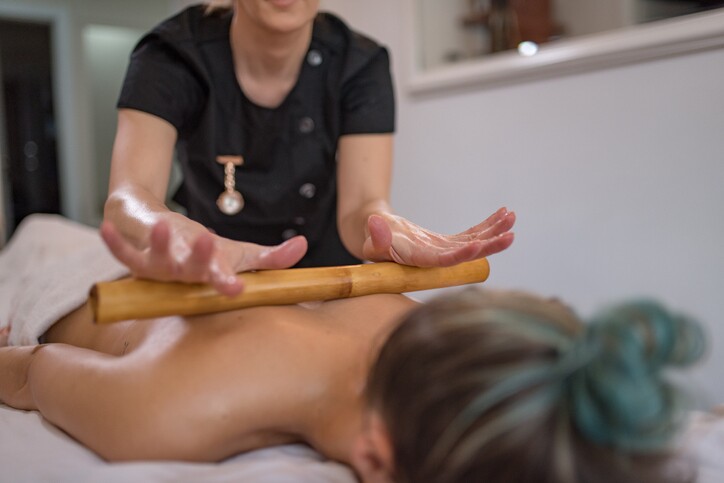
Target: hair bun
point(620, 397)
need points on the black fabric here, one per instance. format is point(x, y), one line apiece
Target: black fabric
point(183, 72)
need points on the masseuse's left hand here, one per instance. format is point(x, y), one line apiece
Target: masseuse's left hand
point(393, 238)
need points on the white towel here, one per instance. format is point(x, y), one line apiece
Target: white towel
point(46, 271)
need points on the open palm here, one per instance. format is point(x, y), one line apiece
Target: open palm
point(394, 238)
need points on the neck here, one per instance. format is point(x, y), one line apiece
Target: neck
point(332, 414)
point(260, 52)
point(334, 421)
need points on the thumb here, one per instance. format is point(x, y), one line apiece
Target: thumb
point(378, 243)
point(283, 256)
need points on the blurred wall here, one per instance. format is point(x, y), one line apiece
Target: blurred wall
point(616, 175)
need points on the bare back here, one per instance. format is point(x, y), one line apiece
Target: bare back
point(240, 380)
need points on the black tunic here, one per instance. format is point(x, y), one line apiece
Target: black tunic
point(183, 72)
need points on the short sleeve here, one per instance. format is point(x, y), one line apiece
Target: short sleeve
point(159, 82)
point(368, 101)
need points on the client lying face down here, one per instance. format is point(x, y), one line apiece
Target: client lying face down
point(475, 386)
point(499, 387)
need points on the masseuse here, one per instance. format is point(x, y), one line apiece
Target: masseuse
point(282, 118)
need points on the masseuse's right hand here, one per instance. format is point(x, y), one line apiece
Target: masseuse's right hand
point(158, 244)
point(207, 258)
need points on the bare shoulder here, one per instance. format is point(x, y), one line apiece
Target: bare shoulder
point(253, 377)
point(207, 387)
point(385, 308)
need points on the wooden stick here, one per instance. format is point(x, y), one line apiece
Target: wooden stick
point(138, 299)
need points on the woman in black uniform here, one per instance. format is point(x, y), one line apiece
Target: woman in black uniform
point(282, 118)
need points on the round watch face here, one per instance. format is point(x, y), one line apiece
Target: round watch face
point(230, 202)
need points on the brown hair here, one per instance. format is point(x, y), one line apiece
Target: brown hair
point(451, 354)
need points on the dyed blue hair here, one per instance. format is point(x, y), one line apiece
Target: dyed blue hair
point(620, 397)
point(603, 380)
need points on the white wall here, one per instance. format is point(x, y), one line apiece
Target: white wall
point(617, 177)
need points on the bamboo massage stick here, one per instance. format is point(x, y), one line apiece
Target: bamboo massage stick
point(138, 299)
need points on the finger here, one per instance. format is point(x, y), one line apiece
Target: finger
point(380, 233)
point(472, 251)
point(159, 243)
point(124, 252)
point(225, 281)
point(281, 256)
point(489, 247)
point(205, 259)
point(504, 224)
point(494, 226)
point(198, 264)
point(496, 245)
point(458, 255)
point(379, 242)
point(489, 221)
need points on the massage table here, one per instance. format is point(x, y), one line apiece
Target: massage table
point(32, 450)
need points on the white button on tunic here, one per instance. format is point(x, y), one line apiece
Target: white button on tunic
point(314, 58)
point(308, 190)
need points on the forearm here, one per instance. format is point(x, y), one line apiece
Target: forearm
point(353, 227)
point(86, 393)
point(363, 177)
point(14, 384)
point(140, 170)
point(134, 211)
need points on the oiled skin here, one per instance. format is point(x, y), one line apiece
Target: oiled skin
point(207, 387)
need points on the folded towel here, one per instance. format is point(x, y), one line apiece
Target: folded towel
point(46, 271)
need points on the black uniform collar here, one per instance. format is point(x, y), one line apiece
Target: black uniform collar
point(195, 25)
